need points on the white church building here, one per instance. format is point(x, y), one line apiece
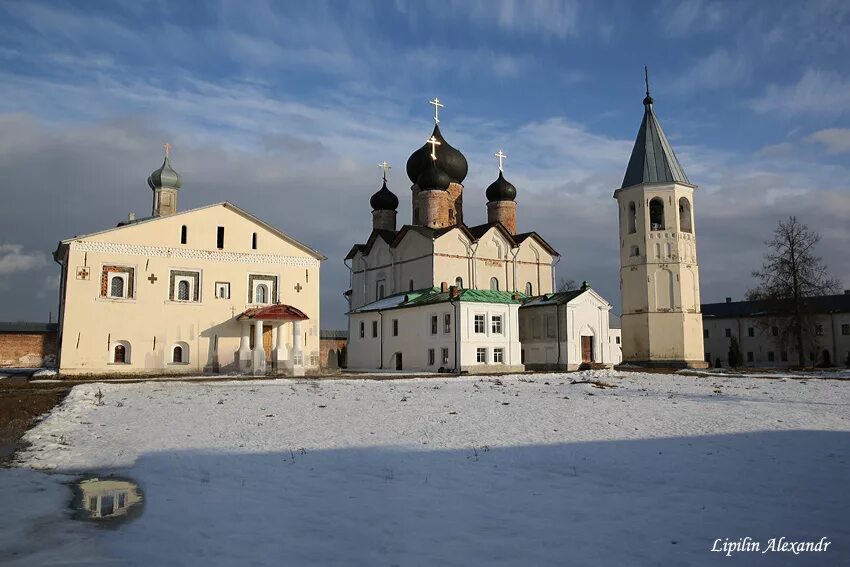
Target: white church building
point(440, 294)
point(208, 290)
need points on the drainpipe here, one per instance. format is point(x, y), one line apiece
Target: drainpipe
point(456, 311)
point(381, 331)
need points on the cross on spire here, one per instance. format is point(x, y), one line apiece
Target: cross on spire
point(646, 78)
point(167, 150)
point(434, 143)
point(385, 166)
point(501, 155)
point(437, 105)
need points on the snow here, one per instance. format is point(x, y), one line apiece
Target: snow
point(526, 469)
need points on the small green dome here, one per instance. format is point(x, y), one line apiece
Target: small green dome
point(165, 177)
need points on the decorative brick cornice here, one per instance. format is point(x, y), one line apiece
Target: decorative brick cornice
point(193, 254)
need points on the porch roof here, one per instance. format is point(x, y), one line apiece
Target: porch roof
point(276, 312)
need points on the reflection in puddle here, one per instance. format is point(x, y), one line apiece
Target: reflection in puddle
point(106, 499)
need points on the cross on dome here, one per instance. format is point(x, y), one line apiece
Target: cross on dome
point(437, 105)
point(434, 143)
point(386, 167)
point(167, 149)
point(501, 155)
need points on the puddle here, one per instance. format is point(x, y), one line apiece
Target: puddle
point(106, 500)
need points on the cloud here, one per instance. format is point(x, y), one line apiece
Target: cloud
point(835, 140)
point(683, 18)
point(551, 18)
point(14, 260)
point(817, 92)
point(720, 68)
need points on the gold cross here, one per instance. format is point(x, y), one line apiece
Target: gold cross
point(437, 105)
point(434, 143)
point(385, 166)
point(501, 155)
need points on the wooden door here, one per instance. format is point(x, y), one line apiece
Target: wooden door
point(267, 342)
point(587, 349)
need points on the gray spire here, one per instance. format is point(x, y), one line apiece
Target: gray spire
point(653, 159)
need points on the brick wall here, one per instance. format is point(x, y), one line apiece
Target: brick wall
point(327, 345)
point(27, 349)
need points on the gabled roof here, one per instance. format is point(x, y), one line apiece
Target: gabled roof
point(520, 238)
point(561, 298)
point(730, 310)
point(387, 236)
point(653, 159)
point(227, 205)
point(354, 250)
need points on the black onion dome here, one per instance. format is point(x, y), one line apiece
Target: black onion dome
point(449, 159)
point(384, 200)
point(501, 190)
point(433, 178)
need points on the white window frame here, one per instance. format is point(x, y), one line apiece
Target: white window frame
point(447, 323)
point(498, 355)
point(481, 353)
point(111, 276)
point(479, 318)
point(222, 290)
point(434, 325)
point(445, 356)
point(432, 357)
point(497, 324)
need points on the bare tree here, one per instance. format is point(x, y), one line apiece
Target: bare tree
point(567, 284)
point(791, 273)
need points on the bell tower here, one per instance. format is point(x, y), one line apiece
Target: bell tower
point(659, 274)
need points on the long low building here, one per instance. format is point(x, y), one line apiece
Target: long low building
point(761, 332)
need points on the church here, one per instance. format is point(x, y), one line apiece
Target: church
point(440, 294)
point(208, 290)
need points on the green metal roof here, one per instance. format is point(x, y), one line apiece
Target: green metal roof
point(430, 296)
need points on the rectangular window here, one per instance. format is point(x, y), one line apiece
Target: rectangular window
point(184, 285)
point(430, 357)
point(618, 339)
point(770, 356)
point(374, 329)
point(751, 332)
point(262, 289)
point(496, 324)
point(819, 330)
point(774, 331)
point(749, 356)
point(254, 241)
point(222, 290)
point(395, 327)
point(535, 326)
point(479, 324)
point(219, 239)
point(845, 329)
point(783, 356)
point(550, 325)
point(705, 333)
point(728, 333)
point(434, 324)
point(481, 355)
point(362, 329)
point(119, 282)
point(183, 234)
point(447, 323)
point(498, 355)
point(445, 357)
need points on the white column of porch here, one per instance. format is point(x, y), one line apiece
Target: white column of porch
point(258, 354)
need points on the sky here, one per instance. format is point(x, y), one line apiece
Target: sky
point(286, 108)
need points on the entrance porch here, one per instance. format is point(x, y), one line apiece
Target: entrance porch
point(263, 341)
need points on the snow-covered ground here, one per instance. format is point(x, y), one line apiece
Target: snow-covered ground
point(517, 470)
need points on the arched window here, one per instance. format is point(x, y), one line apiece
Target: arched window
point(656, 214)
point(459, 282)
point(119, 354)
point(261, 295)
point(632, 218)
point(380, 291)
point(183, 290)
point(529, 290)
point(116, 286)
point(494, 284)
point(177, 355)
point(685, 224)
